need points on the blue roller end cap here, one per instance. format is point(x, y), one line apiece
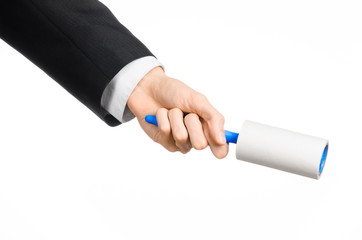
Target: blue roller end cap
point(151, 119)
point(323, 160)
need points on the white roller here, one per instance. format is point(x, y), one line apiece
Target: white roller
point(281, 149)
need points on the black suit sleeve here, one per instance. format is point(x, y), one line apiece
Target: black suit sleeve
point(78, 43)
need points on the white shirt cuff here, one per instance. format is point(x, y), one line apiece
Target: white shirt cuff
point(116, 94)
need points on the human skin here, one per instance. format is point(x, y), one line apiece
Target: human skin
point(168, 99)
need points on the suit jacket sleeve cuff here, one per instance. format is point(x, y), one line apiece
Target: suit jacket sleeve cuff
point(115, 95)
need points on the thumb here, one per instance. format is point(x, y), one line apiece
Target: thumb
point(214, 120)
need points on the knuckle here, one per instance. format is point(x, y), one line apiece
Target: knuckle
point(165, 130)
point(175, 112)
point(219, 118)
point(187, 117)
point(172, 149)
point(200, 97)
point(185, 151)
point(171, 111)
point(185, 148)
point(200, 145)
point(191, 117)
point(161, 111)
point(181, 138)
point(222, 119)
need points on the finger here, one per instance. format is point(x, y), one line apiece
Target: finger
point(195, 131)
point(163, 123)
point(165, 137)
point(178, 130)
point(215, 121)
point(219, 151)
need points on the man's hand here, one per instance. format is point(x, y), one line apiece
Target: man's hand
point(168, 99)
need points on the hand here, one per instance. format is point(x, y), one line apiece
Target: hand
point(168, 99)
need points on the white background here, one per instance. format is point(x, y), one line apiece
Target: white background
point(64, 174)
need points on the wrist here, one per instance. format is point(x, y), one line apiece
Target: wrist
point(147, 86)
point(151, 81)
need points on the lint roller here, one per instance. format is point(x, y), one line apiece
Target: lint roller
point(277, 148)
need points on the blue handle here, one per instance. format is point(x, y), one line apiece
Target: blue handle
point(231, 137)
point(151, 119)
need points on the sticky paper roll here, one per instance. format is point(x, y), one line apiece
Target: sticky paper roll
point(281, 149)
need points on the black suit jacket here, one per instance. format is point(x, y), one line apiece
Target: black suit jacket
point(79, 43)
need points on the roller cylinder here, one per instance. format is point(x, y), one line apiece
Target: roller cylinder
point(281, 149)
